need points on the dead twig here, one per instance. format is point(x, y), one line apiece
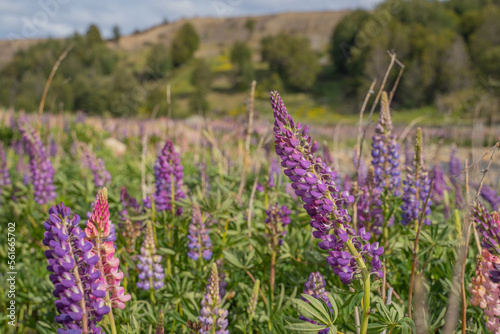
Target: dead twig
point(47, 85)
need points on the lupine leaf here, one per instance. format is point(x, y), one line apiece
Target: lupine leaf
point(299, 326)
point(321, 307)
point(334, 307)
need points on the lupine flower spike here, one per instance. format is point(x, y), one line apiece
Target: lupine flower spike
point(199, 243)
point(160, 326)
point(456, 177)
point(488, 226)
point(42, 172)
point(151, 272)
point(212, 315)
point(4, 171)
point(385, 151)
point(416, 188)
point(315, 287)
point(370, 213)
point(169, 179)
point(485, 293)
point(98, 229)
point(312, 180)
point(96, 165)
point(77, 282)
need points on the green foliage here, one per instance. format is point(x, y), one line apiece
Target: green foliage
point(184, 44)
point(250, 25)
point(292, 58)
point(116, 33)
point(201, 80)
point(241, 57)
point(158, 62)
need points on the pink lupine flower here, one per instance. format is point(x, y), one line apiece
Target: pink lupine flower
point(98, 229)
point(485, 293)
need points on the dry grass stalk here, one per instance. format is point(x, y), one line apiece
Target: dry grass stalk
point(246, 155)
point(47, 85)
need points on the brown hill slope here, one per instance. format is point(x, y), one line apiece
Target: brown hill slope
point(218, 33)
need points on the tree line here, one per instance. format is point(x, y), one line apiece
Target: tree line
point(451, 52)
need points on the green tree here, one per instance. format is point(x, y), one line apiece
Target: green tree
point(241, 58)
point(292, 58)
point(184, 44)
point(201, 79)
point(158, 62)
point(116, 34)
point(94, 35)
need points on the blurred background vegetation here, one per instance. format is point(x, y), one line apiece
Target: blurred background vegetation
point(450, 49)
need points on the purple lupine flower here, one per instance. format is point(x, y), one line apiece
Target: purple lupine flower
point(408, 153)
point(315, 287)
point(212, 316)
point(129, 203)
point(41, 170)
point(96, 165)
point(456, 177)
point(4, 171)
point(328, 158)
point(276, 221)
point(439, 185)
point(369, 208)
point(362, 170)
point(385, 151)
point(151, 272)
point(205, 178)
point(440, 189)
point(416, 187)
point(199, 243)
point(169, 179)
point(274, 174)
point(313, 182)
point(53, 149)
point(488, 226)
point(222, 278)
point(75, 276)
point(490, 195)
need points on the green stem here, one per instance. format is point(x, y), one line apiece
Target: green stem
point(366, 286)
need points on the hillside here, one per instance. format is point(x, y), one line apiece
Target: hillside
point(218, 33)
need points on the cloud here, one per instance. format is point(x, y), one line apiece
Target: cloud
point(60, 18)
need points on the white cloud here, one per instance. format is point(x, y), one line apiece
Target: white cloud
point(72, 15)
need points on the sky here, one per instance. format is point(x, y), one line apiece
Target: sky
point(60, 18)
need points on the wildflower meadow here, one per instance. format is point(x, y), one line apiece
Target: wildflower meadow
point(267, 226)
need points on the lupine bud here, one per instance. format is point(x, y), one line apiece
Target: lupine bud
point(199, 242)
point(254, 298)
point(212, 316)
point(385, 151)
point(276, 221)
point(42, 172)
point(485, 293)
point(168, 178)
point(315, 287)
point(416, 188)
point(160, 327)
point(325, 204)
point(96, 165)
point(98, 229)
point(76, 280)
point(151, 272)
